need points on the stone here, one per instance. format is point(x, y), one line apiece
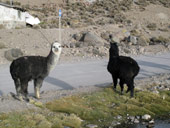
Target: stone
point(119, 117)
point(77, 37)
point(115, 39)
point(146, 117)
point(152, 121)
point(136, 121)
point(91, 39)
point(91, 126)
point(13, 54)
point(133, 39)
point(131, 118)
point(112, 105)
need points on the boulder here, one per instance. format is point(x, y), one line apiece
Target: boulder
point(13, 54)
point(90, 39)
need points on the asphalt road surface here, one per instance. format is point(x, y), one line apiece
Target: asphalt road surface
point(73, 75)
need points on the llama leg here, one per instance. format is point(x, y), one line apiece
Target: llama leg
point(18, 86)
point(114, 82)
point(130, 88)
point(25, 88)
point(37, 86)
point(18, 89)
point(121, 86)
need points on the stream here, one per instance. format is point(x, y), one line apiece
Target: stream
point(157, 124)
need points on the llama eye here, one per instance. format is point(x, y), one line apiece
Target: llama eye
point(53, 46)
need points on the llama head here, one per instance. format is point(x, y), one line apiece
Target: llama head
point(56, 48)
point(114, 50)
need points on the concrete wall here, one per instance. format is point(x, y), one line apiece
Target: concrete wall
point(11, 18)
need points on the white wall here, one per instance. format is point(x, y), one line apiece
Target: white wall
point(11, 18)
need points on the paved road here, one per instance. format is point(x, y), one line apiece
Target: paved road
point(70, 76)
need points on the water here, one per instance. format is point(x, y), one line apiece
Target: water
point(157, 124)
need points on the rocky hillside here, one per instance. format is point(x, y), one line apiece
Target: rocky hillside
point(138, 26)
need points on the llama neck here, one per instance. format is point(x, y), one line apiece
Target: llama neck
point(113, 54)
point(52, 60)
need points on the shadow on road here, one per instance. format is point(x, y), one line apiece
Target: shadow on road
point(1, 93)
point(59, 83)
point(166, 58)
point(151, 64)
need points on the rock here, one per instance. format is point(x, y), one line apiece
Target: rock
point(77, 37)
point(112, 105)
point(155, 91)
point(91, 126)
point(133, 39)
point(143, 41)
point(136, 121)
point(115, 39)
point(91, 39)
point(13, 54)
point(114, 123)
point(152, 121)
point(146, 117)
point(131, 118)
point(119, 117)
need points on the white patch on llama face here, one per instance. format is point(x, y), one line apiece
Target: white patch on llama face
point(56, 48)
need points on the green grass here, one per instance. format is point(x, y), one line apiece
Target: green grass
point(98, 108)
point(98, 105)
point(38, 119)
